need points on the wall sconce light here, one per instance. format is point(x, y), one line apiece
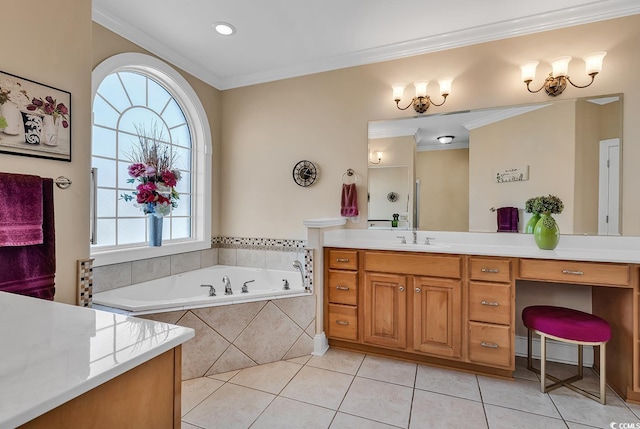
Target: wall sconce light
point(557, 80)
point(379, 155)
point(446, 139)
point(422, 101)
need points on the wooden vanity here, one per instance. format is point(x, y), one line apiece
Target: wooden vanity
point(458, 310)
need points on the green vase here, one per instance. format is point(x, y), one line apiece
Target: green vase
point(531, 225)
point(546, 232)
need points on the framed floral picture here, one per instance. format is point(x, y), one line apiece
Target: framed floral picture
point(35, 119)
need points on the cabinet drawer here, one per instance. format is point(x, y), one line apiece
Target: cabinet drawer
point(343, 287)
point(416, 264)
point(490, 302)
point(597, 273)
point(490, 269)
point(343, 322)
point(490, 345)
point(343, 259)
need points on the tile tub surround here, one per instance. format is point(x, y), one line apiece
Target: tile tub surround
point(267, 253)
point(237, 336)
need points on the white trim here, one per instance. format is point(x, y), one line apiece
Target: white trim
point(194, 111)
point(567, 17)
point(320, 344)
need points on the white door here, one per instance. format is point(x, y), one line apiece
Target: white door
point(609, 189)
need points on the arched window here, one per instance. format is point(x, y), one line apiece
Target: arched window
point(136, 95)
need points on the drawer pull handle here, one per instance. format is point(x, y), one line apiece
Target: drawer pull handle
point(418, 290)
point(489, 345)
point(490, 303)
point(576, 273)
point(342, 322)
point(342, 259)
point(490, 270)
point(342, 287)
point(401, 288)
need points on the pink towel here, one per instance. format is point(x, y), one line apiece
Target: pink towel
point(349, 200)
point(508, 219)
point(31, 270)
point(20, 210)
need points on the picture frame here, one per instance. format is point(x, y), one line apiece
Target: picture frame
point(35, 119)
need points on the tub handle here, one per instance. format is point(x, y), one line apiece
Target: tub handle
point(212, 290)
point(286, 284)
point(245, 288)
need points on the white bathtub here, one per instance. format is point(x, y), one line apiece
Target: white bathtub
point(184, 291)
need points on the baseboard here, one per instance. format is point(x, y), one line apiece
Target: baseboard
point(556, 351)
point(320, 344)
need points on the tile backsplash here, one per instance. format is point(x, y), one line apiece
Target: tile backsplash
point(269, 253)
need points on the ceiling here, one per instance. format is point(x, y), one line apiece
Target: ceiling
point(279, 39)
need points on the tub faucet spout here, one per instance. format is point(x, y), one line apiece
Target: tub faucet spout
point(227, 285)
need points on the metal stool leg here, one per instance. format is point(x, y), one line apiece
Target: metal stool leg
point(603, 373)
point(543, 363)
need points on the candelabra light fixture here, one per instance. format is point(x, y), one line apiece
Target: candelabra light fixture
point(422, 101)
point(557, 80)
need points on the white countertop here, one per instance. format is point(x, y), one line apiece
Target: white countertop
point(570, 247)
point(53, 352)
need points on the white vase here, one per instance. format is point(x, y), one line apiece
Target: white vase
point(10, 112)
point(50, 126)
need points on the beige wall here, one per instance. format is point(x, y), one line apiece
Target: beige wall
point(444, 189)
point(50, 43)
point(267, 128)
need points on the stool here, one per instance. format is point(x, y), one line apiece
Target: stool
point(569, 326)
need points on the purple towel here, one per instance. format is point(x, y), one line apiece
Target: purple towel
point(508, 219)
point(20, 209)
point(349, 200)
point(30, 270)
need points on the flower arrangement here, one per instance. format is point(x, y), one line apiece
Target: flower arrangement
point(49, 106)
point(152, 166)
point(549, 204)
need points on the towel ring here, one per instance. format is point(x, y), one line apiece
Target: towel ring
point(350, 173)
point(62, 182)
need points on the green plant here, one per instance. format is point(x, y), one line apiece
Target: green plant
point(549, 204)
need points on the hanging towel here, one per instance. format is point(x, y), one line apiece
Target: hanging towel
point(349, 200)
point(20, 210)
point(30, 270)
point(508, 219)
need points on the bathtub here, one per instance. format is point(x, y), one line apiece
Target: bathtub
point(184, 291)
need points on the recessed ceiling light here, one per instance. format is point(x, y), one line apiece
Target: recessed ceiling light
point(224, 28)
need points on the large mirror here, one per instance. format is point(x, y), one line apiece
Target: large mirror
point(500, 157)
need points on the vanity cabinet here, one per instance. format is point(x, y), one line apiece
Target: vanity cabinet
point(491, 307)
point(385, 309)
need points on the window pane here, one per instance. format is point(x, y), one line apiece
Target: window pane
point(183, 158)
point(127, 143)
point(106, 171)
point(173, 114)
point(127, 208)
point(106, 232)
point(123, 176)
point(106, 206)
point(103, 142)
point(180, 228)
point(184, 185)
point(112, 90)
point(131, 231)
point(158, 96)
point(136, 87)
point(104, 114)
point(137, 116)
point(184, 206)
point(181, 136)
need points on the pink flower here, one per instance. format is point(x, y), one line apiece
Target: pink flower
point(169, 178)
point(135, 170)
point(150, 171)
point(146, 193)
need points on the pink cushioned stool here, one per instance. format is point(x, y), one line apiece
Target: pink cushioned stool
point(569, 326)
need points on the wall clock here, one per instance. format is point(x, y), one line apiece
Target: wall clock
point(392, 196)
point(305, 173)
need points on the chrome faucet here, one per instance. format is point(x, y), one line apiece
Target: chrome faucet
point(245, 288)
point(426, 240)
point(212, 290)
point(286, 284)
point(404, 240)
point(298, 265)
point(415, 236)
point(227, 285)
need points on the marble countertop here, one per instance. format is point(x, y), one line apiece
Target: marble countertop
point(570, 247)
point(54, 352)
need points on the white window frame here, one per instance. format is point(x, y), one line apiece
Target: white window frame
point(196, 116)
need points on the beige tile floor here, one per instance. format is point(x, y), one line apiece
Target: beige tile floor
point(346, 390)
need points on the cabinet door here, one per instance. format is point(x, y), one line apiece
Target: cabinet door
point(437, 316)
point(385, 310)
